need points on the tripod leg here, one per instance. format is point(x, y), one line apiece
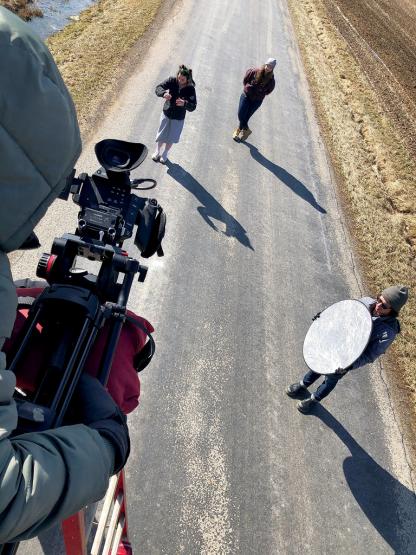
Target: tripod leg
point(73, 530)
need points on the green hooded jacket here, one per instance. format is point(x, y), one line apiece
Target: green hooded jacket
point(44, 477)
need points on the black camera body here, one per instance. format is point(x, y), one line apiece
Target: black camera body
point(108, 208)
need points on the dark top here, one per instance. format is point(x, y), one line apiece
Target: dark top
point(187, 93)
point(253, 90)
point(385, 329)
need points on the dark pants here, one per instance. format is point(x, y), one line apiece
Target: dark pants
point(246, 109)
point(326, 386)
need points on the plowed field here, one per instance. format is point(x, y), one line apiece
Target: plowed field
point(382, 36)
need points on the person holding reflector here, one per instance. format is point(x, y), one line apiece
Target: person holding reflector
point(346, 336)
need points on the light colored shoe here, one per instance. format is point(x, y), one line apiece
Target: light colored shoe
point(236, 134)
point(163, 159)
point(245, 134)
point(155, 157)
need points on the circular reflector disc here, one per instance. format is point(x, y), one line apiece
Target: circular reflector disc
point(338, 337)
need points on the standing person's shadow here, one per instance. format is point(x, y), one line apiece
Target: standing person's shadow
point(389, 505)
point(211, 208)
point(285, 177)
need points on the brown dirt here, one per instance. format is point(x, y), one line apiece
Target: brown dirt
point(23, 8)
point(360, 59)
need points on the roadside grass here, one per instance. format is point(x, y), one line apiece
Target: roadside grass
point(23, 8)
point(376, 173)
point(90, 51)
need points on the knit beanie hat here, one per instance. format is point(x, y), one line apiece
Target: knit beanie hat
point(397, 296)
point(270, 62)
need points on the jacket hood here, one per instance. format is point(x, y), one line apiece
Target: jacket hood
point(39, 134)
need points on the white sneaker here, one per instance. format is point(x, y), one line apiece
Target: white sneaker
point(236, 134)
point(163, 159)
point(156, 156)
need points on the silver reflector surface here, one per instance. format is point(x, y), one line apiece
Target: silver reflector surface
point(338, 337)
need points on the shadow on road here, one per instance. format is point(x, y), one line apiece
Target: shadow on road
point(388, 504)
point(211, 208)
point(285, 177)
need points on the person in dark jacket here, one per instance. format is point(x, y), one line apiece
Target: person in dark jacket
point(384, 311)
point(180, 97)
point(44, 476)
point(258, 82)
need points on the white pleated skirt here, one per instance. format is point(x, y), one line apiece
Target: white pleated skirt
point(169, 130)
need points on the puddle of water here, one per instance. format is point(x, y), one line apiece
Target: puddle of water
point(56, 14)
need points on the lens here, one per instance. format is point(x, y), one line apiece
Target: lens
point(117, 158)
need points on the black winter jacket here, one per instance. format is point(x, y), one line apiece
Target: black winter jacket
point(187, 93)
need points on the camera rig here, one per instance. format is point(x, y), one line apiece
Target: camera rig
point(76, 304)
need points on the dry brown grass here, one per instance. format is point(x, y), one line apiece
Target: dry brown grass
point(23, 8)
point(375, 171)
point(90, 51)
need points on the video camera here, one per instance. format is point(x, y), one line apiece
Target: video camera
point(76, 304)
point(109, 212)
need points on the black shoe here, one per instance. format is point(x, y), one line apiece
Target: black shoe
point(296, 390)
point(306, 405)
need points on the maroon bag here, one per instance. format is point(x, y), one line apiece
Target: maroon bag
point(131, 355)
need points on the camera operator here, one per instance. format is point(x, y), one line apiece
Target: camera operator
point(45, 476)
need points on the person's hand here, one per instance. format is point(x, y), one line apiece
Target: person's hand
point(316, 316)
point(93, 406)
point(341, 371)
point(167, 95)
point(180, 102)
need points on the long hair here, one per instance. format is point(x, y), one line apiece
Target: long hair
point(262, 78)
point(186, 72)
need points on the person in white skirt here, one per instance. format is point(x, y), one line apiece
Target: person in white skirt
point(179, 94)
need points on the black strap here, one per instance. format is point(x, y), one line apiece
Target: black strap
point(145, 355)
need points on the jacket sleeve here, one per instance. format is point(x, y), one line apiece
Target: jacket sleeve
point(249, 85)
point(190, 103)
point(250, 73)
point(376, 347)
point(47, 476)
point(163, 87)
point(270, 86)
